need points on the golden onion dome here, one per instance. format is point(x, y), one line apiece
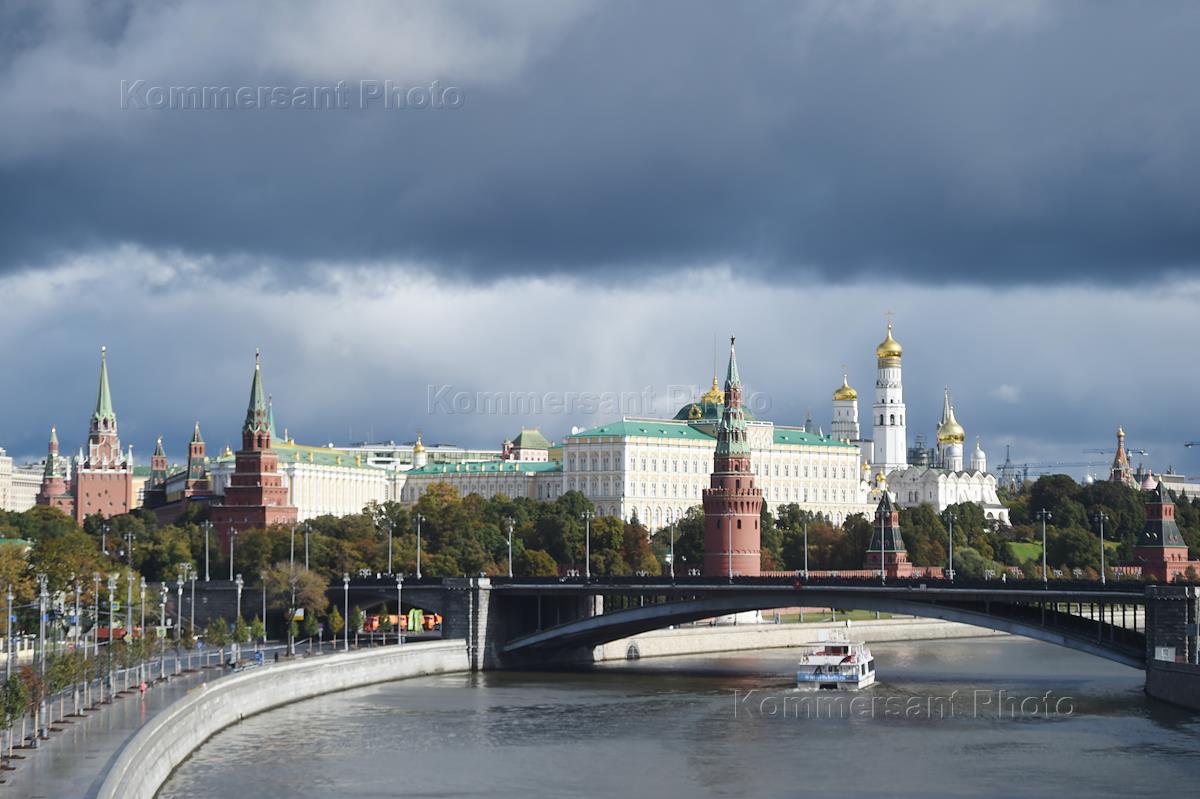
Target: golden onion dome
point(714, 396)
point(950, 431)
point(889, 347)
point(418, 447)
point(844, 391)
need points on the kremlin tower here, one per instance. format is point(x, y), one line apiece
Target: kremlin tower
point(256, 496)
point(103, 480)
point(1121, 471)
point(887, 545)
point(1160, 548)
point(732, 505)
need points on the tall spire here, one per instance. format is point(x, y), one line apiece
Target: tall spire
point(271, 416)
point(732, 378)
point(196, 438)
point(104, 408)
point(257, 413)
point(158, 448)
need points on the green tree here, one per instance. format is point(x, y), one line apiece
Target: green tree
point(535, 563)
point(258, 630)
point(241, 632)
point(336, 622)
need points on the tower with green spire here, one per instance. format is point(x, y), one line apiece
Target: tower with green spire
point(196, 466)
point(732, 504)
point(103, 482)
point(158, 464)
point(54, 490)
point(256, 496)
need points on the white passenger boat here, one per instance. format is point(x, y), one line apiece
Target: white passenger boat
point(837, 664)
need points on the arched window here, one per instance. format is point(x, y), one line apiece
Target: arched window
point(881, 418)
point(892, 418)
point(739, 524)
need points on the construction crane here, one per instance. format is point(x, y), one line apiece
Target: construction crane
point(1128, 450)
point(1190, 444)
point(1018, 473)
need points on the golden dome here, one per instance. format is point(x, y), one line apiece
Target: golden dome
point(714, 395)
point(418, 447)
point(694, 412)
point(950, 431)
point(889, 347)
point(844, 391)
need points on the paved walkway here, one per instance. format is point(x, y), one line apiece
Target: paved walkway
point(72, 763)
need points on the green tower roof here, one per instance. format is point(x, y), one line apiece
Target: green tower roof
point(104, 408)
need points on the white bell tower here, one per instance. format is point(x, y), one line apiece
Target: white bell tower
point(891, 432)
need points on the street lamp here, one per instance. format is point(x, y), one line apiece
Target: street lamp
point(882, 553)
point(399, 607)
point(192, 602)
point(508, 523)
point(306, 532)
point(420, 519)
point(8, 639)
point(129, 582)
point(232, 537)
point(1044, 515)
point(587, 552)
point(95, 614)
point(112, 586)
point(671, 531)
point(1102, 518)
point(806, 550)
point(142, 657)
point(207, 528)
point(162, 623)
point(950, 520)
point(179, 606)
point(346, 591)
point(238, 582)
point(43, 600)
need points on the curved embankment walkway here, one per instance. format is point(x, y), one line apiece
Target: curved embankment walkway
point(704, 639)
point(166, 740)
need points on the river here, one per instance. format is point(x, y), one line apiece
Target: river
point(982, 717)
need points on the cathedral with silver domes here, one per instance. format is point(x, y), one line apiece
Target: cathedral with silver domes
point(913, 476)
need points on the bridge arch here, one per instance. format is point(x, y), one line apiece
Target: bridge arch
point(595, 630)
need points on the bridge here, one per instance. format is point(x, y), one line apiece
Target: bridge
point(523, 622)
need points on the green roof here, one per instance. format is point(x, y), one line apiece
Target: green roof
point(649, 428)
point(797, 436)
point(658, 428)
point(488, 467)
point(104, 409)
point(531, 439)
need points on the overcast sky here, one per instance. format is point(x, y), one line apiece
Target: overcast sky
point(605, 189)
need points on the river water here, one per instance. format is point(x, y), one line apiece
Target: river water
point(947, 718)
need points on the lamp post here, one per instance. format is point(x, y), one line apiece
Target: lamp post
point(672, 533)
point(129, 583)
point(8, 639)
point(239, 583)
point(95, 614)
point(1102, 518)
point(346, 592)
point(950, 520)
point(162, 637)
point(192, 603)
point(420, 519)
point(882, 553)
point(805, 550)
point(399, 607)
point(1044, 515)
point(232, 538)
point(587, 539)
point(179, 606)
point(142, 637)
point(262, 575)
point(78, 620)
point(207, 528)
point(112, 586)
point(306, 532)
point(508, 523)
point(43, 600)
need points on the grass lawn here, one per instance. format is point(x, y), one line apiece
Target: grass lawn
point(1026, 550)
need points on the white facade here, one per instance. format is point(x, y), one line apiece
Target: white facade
point(533, 479)
point(6, 468)
point(915, 485)
point(888, 414)
point(322, 481)
point(657, 469)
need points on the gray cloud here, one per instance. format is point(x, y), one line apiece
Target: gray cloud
point(942, 142)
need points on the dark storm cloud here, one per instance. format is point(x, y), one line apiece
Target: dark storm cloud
point(927, 141)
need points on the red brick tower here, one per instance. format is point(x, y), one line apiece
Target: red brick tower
point(1121, 471)
point(886, 542)
point(732, 505)
point(103, 483)
point(255, 496)
point(158, 464)
point(55, 490)
point(1160, 548)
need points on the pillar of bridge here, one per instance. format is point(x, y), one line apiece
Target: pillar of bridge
point(1172, 645)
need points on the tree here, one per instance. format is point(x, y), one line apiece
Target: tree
point(241, 633)
point(535, 563)
point(257, 629)
point(216, 633)
point(310, 587)
point(336, 622)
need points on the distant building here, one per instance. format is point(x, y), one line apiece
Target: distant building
point(1121, 471)
point(6, 476)
point(100, 482)
point(887, 545)
point(255, 496)
point(1160, 550)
